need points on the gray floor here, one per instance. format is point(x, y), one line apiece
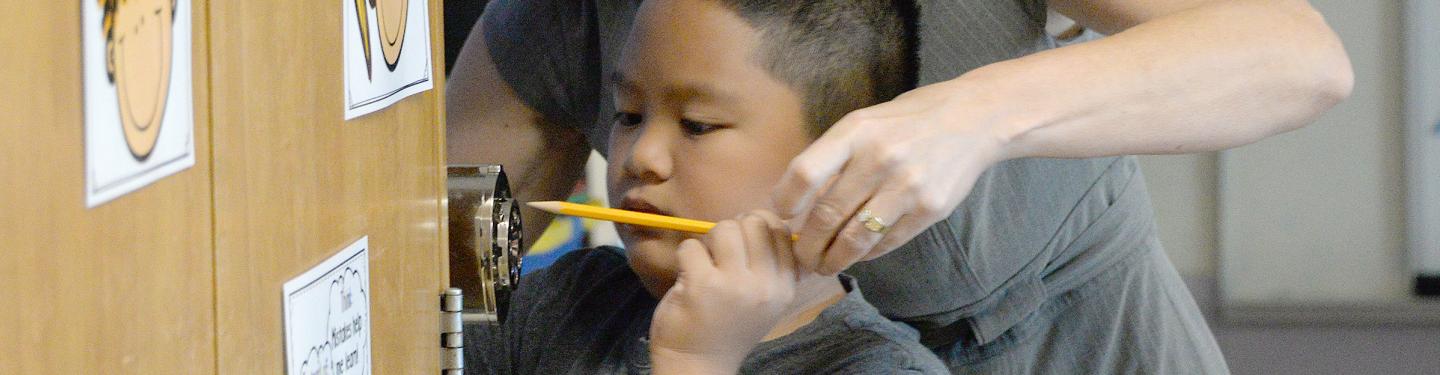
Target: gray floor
point(1331, 350)
point(1319, 349)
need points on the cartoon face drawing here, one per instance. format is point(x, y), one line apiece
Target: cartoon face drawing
point(392, 15)
point(138, 42)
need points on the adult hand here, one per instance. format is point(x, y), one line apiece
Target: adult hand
point(734, 286)
point(908, 163)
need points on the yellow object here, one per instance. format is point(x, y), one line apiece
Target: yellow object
point(557, 234)
point(623, 216)
point(364, 22)
point(627, 217)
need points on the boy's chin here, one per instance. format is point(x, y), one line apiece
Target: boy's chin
point(656, 281)
point(654, 266)
point(657, 286)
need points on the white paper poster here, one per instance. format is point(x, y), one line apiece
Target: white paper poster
point(139, 114)
point(327, 316)
point(387, 53)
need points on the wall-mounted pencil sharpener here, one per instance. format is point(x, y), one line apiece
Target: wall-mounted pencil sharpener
point(485, 240)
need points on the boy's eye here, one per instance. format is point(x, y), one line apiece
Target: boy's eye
point(693, 127)
point(628, 118)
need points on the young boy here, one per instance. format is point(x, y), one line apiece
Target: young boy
point(713, 98)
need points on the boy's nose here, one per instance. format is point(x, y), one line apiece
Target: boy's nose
point(650, 155)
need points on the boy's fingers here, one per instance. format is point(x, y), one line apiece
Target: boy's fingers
point(780, 239)
point(692, 256)
point(727, 245)
point(758, 243)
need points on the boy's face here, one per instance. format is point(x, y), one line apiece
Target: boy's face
point(702, 132)
point(139, 56)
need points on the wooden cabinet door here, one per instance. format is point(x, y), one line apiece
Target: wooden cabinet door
point(294, 183)
point(125, 287)
point(185, 276)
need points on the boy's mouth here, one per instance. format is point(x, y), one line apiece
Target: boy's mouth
point(638, 232)
point(637, 204)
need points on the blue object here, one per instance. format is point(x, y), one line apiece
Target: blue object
point(576, 241)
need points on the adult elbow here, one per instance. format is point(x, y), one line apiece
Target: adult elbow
point(1330, 86)
point(1338, 79)
point(1334, 73)
point(1329, 77)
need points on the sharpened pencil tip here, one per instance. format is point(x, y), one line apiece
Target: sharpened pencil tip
point(547, 206)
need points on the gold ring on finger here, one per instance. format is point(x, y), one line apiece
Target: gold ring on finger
point(872, 223)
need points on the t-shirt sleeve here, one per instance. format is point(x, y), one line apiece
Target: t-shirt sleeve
point(548, 52)
point(893, 358)
point(843, 351)
point(849, 355)
point(876, 354)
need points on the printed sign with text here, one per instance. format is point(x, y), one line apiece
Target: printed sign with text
point(327, 316)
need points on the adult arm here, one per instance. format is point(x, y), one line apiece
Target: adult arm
point(488, 123)
point(1176, 76)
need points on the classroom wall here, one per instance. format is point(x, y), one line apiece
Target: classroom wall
point(1367, 128)
point(1183, 190)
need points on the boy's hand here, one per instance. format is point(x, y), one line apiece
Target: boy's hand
point(734, 286)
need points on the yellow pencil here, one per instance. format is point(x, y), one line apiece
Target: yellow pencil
point(627, 217)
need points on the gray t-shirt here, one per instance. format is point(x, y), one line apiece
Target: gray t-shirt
point(589, 314)
point(1032, 235)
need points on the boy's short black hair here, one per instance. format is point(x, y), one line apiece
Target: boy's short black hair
point(841, 55)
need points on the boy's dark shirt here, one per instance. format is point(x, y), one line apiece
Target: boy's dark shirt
point(589, 314)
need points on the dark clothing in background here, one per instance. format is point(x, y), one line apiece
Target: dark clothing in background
point(460, 17)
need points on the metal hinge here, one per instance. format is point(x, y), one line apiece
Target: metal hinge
point(452, 333)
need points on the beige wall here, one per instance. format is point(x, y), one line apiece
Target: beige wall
point(1183, 190)
point(1335, 185)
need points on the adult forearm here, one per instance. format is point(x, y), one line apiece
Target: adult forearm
point(1216, 76)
